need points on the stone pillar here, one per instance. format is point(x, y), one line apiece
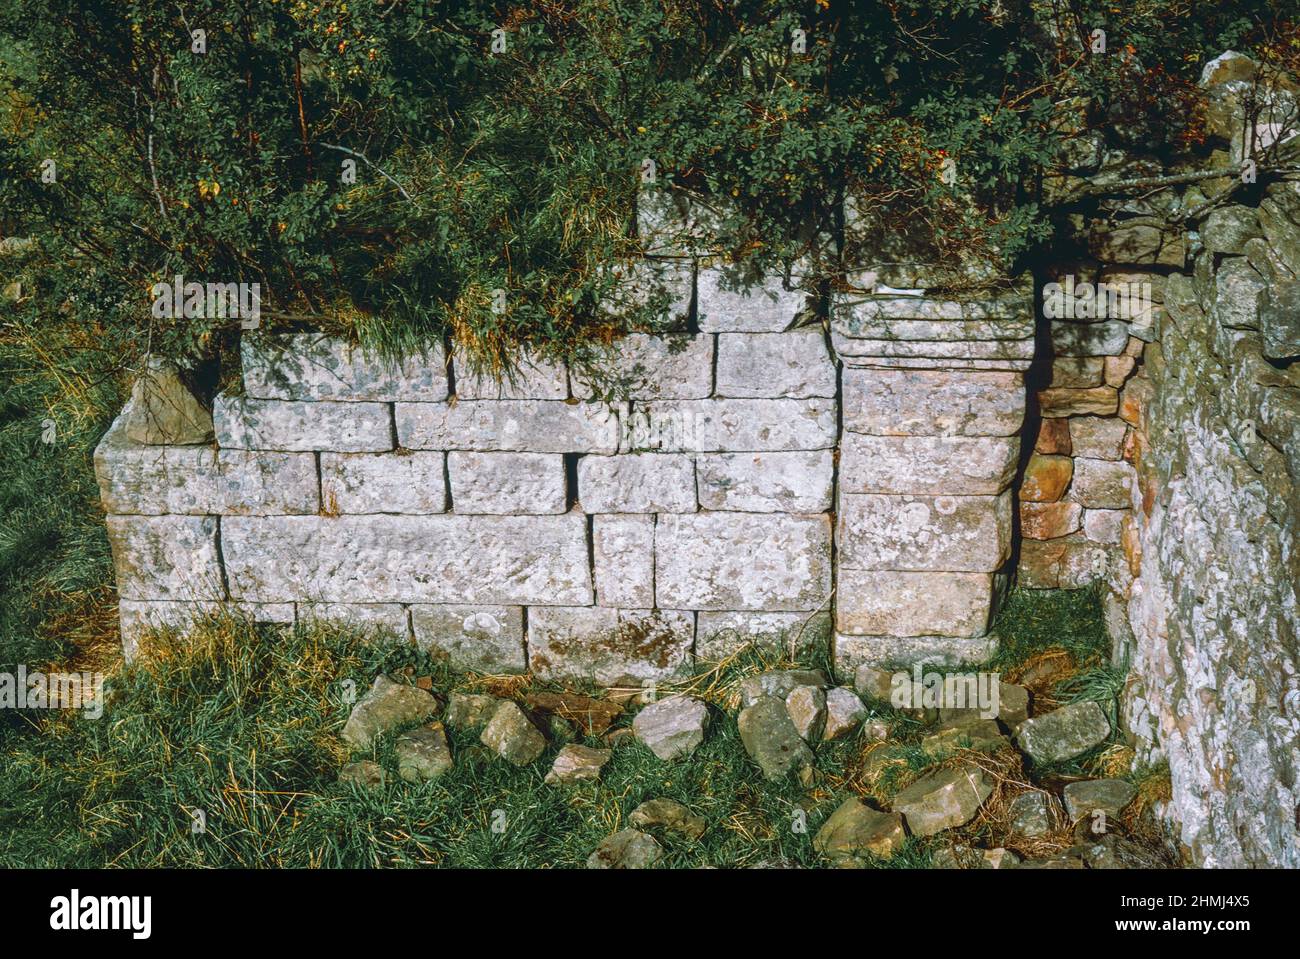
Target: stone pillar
point(933, 399)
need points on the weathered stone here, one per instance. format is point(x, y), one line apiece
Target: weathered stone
point(1227, 229)
point(312, 366)
point(576, 763)
point(1127, 242)
point(979, 734)
point(1049, 520)
point(1134, 399)
point(367, 774)
point(512, 735)
point(1063, 733)
point(873, 683)
point(623, 550)
point(794, 364)
point(778, 683)
point(1107, 338)
point(377, 621)
point(932, 402)
point(534, 378)
point(1104, 525)
point(292, 425)
point(640, 366)
point(668, 814)
point(612, 647)
point(854, 829)
point(935, 533)
point(1046, 478)
point(1108, 796)
point(506, 483)
point(387, 705)
point(382, 483)
point(637, 483)
point(732, 561)
point(1236, 296)
point(672, 727)
point(807, 708)
point(484, 639)
point(139, 617)
point(1279, 319)
point(166, 557)
point(942, 651)
point(1077, 372)
point(725, 426)
point(844, 713)
point(163, 410)
point(729, 301)
point(1053, 437)
point(1013, 704)
point(1102, 484)
point(505, 560)
point(423, 753)
point(960, 856)
point(1118, 369)
point(943, 799)
point(722, 634)
point(594, 716)
point(888, 603)
point(1100, 400)
point(1097, 438)
point(946, 465)
point(986, 354)
point(1030, 814)
point(470, 710)
point(1068, 562)
point(627, 849)
point(771, 739)
point(539, 426)
point(790, 482)
point(657, 290)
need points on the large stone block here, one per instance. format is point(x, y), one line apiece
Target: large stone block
point(611, 647)
point(764, 365)
point(533, 378)
point(945, 651)
point(742, 561)
point(492, 560)
point(167, 557)
point(719, 635)
point(637, 483)
point(537, 426)
point(163, 410)
point(729, 302)
point(936, 350)
point(1102, 484)
point(399, 482)
point(200, 480)
point(292, 425)
point(932, 402)
point(623, 549)
point(641, 366)
point(953, 465)
point(934, 533)
point(1098, 438)
point(506, 482)
point(723, 426)
point(137, 617)
point(485, 639)
point(891, 603)
point(312, 366)
point(790, 482)
point(846, 329)
point(1089, 339)
point(386, 622)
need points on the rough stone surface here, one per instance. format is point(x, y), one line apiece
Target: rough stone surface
point(662, 285)
point(1100, 400)
point(721, 634)
point(977, 734)
point(382, 483)
point(470, 710)
point(1102, 484)
point(1106, 338)
point(668, 814)
point(844, 713)
point(628, 849)
point(942, 800)
point(512, 735)
point(1049, 520)
point(423, 753)
point(794, 364)
point(485, 639)
point(294, 425)
point(766, 482)
point(613, 647)
point(771, 739)
point(726, 426)
point(383, 621)
point(852, 651)
point(1109, 796)
point(623, 549)
point(539, 426)
point(876, 603)
point(1046, 478)
point(932, 403)
point(736, 561)
point(934, 533)
point(807, 708)
point(575, 763)
point(506, 483)
point(1279, 318)
point(855, 829)
point(311, 366)
point(163, 410)
point(779, 683)
point(534, 378)
point(388, 704)
point(1063, 733)
point(641, 366)
point(1030, 814)
point(946, 465)
point(673, 727)
point(730, 302)
point(637, 483)
point(1097, 437)
point(166, 557)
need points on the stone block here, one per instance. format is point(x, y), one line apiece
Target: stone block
point(1107, 338)
point(637, 483)
point(312, 366)
point(163, 410)
point(1104, 526)
point(485, 639)
point(137, 617)
point(383, 621)
point(1102, 484)
point(789, 482)
point(932, 402)
point(397, 482)
point(1077, 372)
point(494, 560)
point(533, 378)
point(795, 364)
point(742, 561)
point(611, 647)
point(1049, 520)
point(624, 551)
point(1100, 400)
point(954, 465)
point(1053, 437)
point(719, 635)
point(642, 366)
point(506, 482)
point(943, 651)
point(723, 426)
point(659, 290)
point(536, 426)
point(730, 302)
point(888, 603)
point(1098, 438)
point(1046, 478)
point(167, 557)
point(294, 425)
point(960, 534)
